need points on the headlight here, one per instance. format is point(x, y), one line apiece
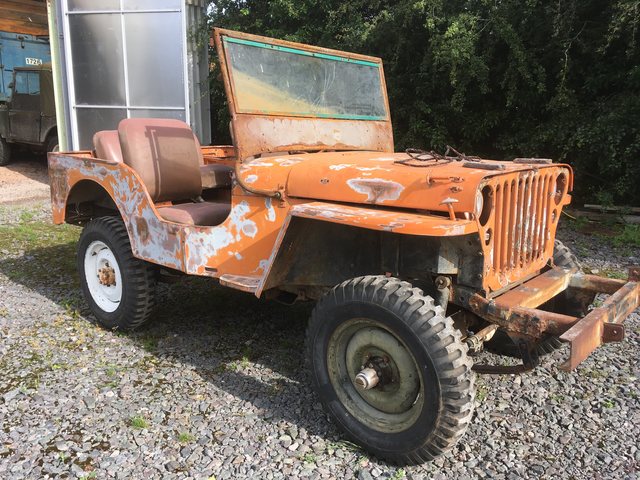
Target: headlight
point(484, 204)
point(479, 204)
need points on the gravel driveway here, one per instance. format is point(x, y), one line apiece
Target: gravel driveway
point(215, 387)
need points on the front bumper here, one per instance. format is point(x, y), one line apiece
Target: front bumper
point(515, 311)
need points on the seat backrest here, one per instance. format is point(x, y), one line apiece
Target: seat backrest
point(166, 155)
point(107, 146)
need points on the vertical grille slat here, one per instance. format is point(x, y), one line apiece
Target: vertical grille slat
point(512, 224)
point(517, 228)
point(532, 222)
point(497, 234)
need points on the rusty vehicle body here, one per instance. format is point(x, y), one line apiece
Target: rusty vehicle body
point(317, 196)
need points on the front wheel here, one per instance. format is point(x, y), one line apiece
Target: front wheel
point(119, 288)
point(5, 152)
point(390, 369)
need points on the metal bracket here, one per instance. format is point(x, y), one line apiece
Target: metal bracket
point(612, 332)
point(530, 360)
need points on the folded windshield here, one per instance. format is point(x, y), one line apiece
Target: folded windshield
point(276, 80)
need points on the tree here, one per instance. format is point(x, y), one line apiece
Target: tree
point(497, 78)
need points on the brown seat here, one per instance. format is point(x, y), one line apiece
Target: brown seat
point(167, 156)
point(204, 213)
point(107, 146)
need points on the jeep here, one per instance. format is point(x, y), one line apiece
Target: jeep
point(415, 259)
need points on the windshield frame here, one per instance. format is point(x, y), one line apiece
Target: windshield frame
point(225, 36)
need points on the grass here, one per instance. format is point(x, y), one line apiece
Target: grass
point(38, 251)
point(138, 422)
point(481, 393)
point(185, 437)
point(613, 273)
point(608, 404)
point(309, 458)
point(399, 474)
point(629, 236)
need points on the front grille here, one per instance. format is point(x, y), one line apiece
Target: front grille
point(524, 210)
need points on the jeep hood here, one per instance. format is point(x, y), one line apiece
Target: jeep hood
point(377, 178)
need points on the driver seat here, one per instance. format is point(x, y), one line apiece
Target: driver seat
point(167, 157)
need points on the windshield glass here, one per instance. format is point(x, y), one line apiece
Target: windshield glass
point(276, 80)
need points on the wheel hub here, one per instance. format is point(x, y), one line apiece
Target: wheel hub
point(103, 276)
point(376, 371)
point(375, 375)
point(107, 275)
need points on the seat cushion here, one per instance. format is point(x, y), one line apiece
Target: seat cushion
point(205, 213)
point(166, 155)
point(107, 145)
point(215, 176)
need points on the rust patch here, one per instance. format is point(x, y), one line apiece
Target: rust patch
point(143, 229)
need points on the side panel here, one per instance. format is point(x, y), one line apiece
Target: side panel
point(241, 245)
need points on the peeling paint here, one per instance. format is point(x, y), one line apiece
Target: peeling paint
point(377, 190)
point(271, 212)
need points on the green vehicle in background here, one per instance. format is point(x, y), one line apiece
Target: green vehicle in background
point(28, 117)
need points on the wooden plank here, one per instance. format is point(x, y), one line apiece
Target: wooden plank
point(24, 16)
point(604, 217)
point(26, 6)
point(35, 18)
point(612, 208)
point(15, 26)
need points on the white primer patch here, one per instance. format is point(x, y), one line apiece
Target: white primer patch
point(377, 190)
point(271, 212)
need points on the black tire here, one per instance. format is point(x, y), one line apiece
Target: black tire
point(52, 144)
point(5, 152)
point(568, 302)
point(443, 407)
point(138, 277)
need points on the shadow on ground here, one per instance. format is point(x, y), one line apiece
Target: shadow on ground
point(32, 165)
point(250, 348)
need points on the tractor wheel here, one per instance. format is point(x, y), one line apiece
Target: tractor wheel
point(52, 144)
point(5, 152)
point(390, 369)
point(568, 302)
point(119, 288)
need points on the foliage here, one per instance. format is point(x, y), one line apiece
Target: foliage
point(500, 79)
point(629, 236)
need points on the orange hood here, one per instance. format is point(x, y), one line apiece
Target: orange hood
point(376, 178)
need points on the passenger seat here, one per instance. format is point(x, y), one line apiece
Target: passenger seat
point(167, 156)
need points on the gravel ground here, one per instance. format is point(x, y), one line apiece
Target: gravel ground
point(214, 387)
point(25, 179)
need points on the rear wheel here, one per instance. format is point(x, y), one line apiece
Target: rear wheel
point(390, 369)
point(52, 144)
point(5, 152)
point(568, 302)
point(119, 288)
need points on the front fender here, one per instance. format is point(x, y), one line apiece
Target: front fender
point(343, 241)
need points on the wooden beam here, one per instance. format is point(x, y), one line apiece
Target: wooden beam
point(24, 16)
point(27, 28)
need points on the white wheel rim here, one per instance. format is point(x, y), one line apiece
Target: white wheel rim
point(105, 288)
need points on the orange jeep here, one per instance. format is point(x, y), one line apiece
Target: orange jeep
point(415, 259)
